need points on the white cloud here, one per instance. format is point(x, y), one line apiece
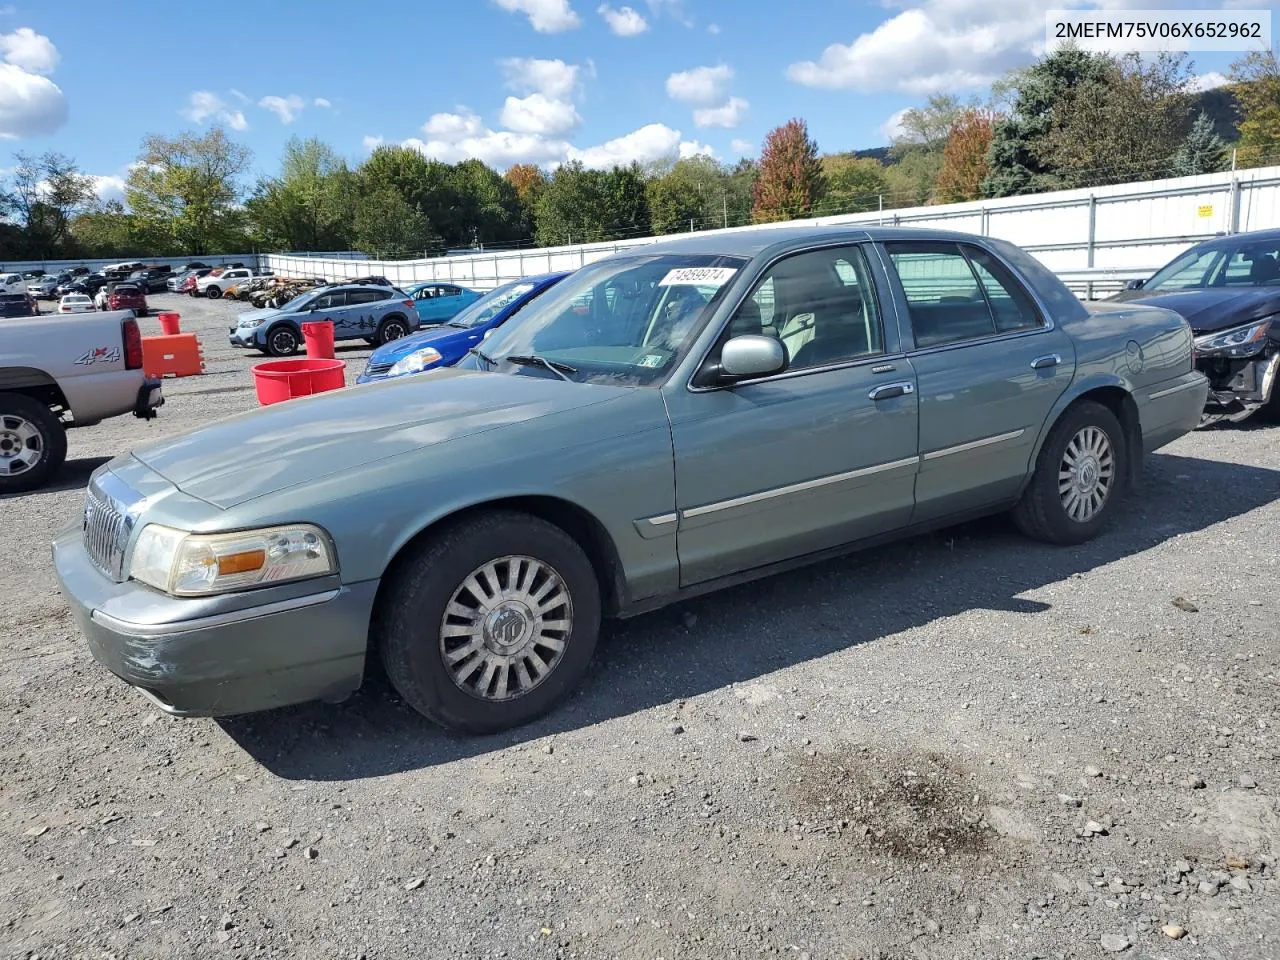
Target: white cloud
point(741, 147)
point(545, 16)
point(1207, 81)
point(108, 187)
point(321, 102)
point(713, 29)
point(8, 10)
point(205, 105)
point(892, 128)
point(371, 143)
point(671, 8)
point(700, 85)
point(243, 98)
point(30, 105)
point(728, 116)
point(286, 108)
point(555, 78)
point(625, 22)
point(540, 114)
point(31, 51)
point(650, 142)
point(692, 148)
point(935, 46)
point(453, 127)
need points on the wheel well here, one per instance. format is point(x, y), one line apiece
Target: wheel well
point(1120, 402)
point(33, 383)
point(586, 530)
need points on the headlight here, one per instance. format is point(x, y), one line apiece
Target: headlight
point(192, 564)
point(415, 362)
point(1236, 342)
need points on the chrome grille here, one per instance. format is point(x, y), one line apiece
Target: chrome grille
point(106, 531)
point(377, 369)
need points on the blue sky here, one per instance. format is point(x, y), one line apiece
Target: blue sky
point(505, 80)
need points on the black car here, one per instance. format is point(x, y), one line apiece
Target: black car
point(1228, 289)
point(90, 285)
point(17, 305)
point(152, 279)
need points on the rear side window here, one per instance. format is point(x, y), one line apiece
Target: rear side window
point(367, 296)
point(952, 297)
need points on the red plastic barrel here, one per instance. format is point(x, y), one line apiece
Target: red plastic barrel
point(287, 379)
point(319, 337)
point(169, 324)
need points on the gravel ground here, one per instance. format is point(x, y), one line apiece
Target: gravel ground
point(966, 745)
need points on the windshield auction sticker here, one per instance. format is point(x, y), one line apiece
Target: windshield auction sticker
point(698, 276)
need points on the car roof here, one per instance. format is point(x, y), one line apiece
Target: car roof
point(1232, 239)
point(755, 241)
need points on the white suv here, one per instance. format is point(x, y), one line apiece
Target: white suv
point(213, 287)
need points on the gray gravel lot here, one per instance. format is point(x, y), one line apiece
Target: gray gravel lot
point(966, 745)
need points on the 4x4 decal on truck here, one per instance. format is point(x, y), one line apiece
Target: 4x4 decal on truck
point(99, 355)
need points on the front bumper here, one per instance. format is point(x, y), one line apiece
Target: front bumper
point(244, 337)
point(1239, 387)
point(237, 653)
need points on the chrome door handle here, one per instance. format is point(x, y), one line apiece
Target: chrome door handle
point(888, 391)
point(1051, 360)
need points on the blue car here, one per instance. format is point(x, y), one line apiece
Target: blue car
point(444, 345)
point(440, 302)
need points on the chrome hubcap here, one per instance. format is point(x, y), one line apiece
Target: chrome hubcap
point(21, 445)
point(506, 627)
point(1086, 474)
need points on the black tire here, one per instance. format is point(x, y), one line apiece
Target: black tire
point(18, 415)
point(213, 292)
point(1041, 513)
point(392, 328)
point(283, 341)
point(142, 313)
point(413, 611)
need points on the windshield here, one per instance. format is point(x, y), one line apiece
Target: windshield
point(298, 302)
point(624, 320)
point(491, 304)
point(1249, 263)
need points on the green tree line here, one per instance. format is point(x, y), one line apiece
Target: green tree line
point(1071, 119)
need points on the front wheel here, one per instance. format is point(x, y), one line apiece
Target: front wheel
point(1081, 471)
point(33, 444)
point(213, 293)
point(282, 341)
point(393, 328)
point(490, 623)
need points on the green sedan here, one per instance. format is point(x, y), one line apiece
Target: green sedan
point(681, 416)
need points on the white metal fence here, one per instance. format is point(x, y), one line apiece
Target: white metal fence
point(1095, 238)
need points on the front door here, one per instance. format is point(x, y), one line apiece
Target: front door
point(989, 367)
point(821, 454)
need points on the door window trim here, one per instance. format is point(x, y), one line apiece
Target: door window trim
point(861, 243)
point(900, 296)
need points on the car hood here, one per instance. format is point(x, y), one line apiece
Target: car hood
point(425, 337)
point(1214, 309)
point(258, 453)
point(257, 316)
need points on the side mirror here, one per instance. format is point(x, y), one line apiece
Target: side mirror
point(487, 333)
point(1134, 284)
point(752, 356)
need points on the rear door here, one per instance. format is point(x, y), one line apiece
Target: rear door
point(990, 365)
point(363, 311)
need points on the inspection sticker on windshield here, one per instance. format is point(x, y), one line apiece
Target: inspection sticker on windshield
point(651, 360)
point(700, 276)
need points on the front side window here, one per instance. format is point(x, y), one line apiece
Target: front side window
point(491, 304)
point(1191, 270)
point(622, 320)
point(328, 301)
point(820, 304)
point(952, 297)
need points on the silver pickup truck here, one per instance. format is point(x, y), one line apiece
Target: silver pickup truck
point(58, 372)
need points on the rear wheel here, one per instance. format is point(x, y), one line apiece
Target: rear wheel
point(491, 622)
point(33, 444)
point(282, 341)
point(1081, 471)
point(392, 328)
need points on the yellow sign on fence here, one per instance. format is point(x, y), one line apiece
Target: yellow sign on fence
point(1205, 211)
